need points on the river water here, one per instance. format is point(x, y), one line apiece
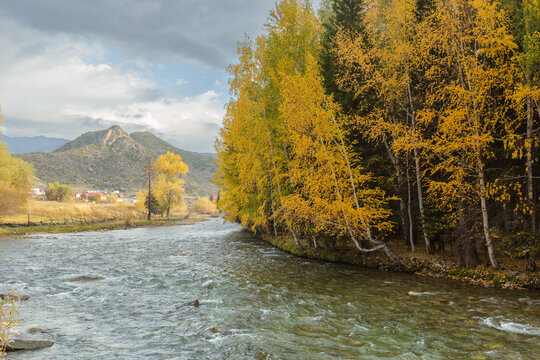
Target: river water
point(266, 304)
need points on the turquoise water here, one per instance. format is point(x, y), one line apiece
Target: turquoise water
point(265, 303)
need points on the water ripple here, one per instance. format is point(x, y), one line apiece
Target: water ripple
point(256, 302)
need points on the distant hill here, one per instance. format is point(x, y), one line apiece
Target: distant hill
point(202, 165)
point(21, 145)
point(212, 155)
point(115, 160)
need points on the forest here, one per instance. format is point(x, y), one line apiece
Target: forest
point(385, 122)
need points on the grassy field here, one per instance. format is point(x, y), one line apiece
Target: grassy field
point(55, 217)
point(70, 212)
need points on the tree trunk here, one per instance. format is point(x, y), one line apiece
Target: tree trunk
point(378, 244)
point(416, 154)
point(272, 208)
point(421, 199)
point(530, 184)
point(485, 219)
point(530, 141)
point(530, 262)
point(293, 232)
point(399, 177)
point(149, 216)
point(296, 241)
point(411, 236)
point(467, 246)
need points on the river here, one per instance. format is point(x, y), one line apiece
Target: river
point(266, 303)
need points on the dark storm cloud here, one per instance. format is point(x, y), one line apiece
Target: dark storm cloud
point(195, 30)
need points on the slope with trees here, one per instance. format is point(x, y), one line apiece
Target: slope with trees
point(381, 120)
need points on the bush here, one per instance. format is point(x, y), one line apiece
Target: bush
point(58, 192)
point(128, 218)
point(94, 198)
point(205, 206)
point(142, 203)
point(522, 245)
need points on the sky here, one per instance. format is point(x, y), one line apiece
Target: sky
point(68, 67)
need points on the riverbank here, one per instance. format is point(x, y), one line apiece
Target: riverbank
point(95, 226)
point(419, 263)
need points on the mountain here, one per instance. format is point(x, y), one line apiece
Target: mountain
point(21, 145)
point(202, 165)
point(115, 160)
point(115, 135)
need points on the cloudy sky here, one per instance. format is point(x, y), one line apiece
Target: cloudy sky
point(67, 67)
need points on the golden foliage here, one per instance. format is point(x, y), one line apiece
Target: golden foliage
point(15, 181)
point(168, 186)
point(282, 158)
point(204, 206)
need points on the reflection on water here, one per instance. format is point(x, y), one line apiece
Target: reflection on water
point(255, 302)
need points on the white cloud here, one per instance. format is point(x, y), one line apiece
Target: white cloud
point(181, 82)
point(47, 82)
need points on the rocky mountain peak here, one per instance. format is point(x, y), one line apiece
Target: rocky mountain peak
point(114, 135)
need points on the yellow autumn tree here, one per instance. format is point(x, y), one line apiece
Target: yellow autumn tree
point(388, 65)
point(468, 104)
point(331, 197)
point(253, 152)
point(15, 180)
point(168, 186)
point(242, 165)
point(522, 137)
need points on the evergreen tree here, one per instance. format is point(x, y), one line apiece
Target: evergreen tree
point(339, 15)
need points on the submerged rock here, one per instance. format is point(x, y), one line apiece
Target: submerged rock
point(85, 278)
point(27, 342)
point(215, 330)
point(9, 297)
point(420, 293)
point(35, 330)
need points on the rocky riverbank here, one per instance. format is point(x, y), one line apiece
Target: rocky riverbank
point(429, 267)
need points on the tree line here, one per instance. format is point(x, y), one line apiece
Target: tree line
point(389, 119)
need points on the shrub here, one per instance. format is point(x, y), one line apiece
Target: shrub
point(128, 218)
point(205, 206)
point(58, 192)
point(94, 198)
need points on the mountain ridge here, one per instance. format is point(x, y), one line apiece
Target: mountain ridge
point(27, 144)
point(114, 159)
